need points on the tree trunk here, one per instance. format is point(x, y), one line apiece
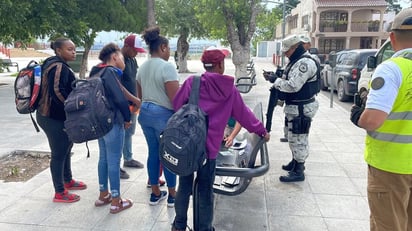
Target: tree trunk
point(239, 36)
point(151, 16)
point(182, 50)
point(240, 58)
point(88, 43)
point(85, 61)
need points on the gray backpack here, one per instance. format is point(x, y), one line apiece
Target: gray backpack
point(183, 142)
point(89, 115)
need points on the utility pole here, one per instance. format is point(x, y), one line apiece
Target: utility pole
point(283, 29)
point(283, 23)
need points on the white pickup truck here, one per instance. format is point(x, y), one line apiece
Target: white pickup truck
point(384, 53)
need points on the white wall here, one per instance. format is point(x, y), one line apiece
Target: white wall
point(266, 48)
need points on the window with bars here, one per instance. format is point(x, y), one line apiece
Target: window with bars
point(332, 44)
point(305, 20)
point(293, 23)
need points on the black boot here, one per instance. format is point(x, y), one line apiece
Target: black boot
point(290, 166)
point(295, 175)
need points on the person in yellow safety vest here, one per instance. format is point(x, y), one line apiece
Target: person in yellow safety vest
point(386, 115)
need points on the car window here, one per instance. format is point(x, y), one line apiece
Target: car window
point(350, 59)
point(385, 53)
point(364, 58)
point(340, 57)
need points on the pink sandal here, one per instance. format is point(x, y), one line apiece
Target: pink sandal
point(123, 204)
point(103, 201)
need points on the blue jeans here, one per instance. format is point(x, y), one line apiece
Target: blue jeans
point(153, 119)
point(205, 177)
point(127, 146)
point(110, 150)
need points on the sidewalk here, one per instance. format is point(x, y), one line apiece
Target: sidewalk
point(332, 198)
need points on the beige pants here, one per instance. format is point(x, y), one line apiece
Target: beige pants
point(390, 200)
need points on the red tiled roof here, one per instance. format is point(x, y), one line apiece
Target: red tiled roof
point(350, 3)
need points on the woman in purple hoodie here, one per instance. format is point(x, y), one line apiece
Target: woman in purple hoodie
point(220, 99)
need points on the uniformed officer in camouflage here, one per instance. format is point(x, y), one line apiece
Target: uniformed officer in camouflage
point(298, 87)
point(307, 45)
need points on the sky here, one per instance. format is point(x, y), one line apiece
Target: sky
point(405, 3)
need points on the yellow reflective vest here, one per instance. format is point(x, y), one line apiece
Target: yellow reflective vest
point(389, 148)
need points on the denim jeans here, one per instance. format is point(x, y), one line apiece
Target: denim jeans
point(128, 134)
point(205, 177)
point(60, 147)
point(110, 150)
point(153, 119)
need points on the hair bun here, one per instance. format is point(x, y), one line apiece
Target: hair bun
point(151, 34)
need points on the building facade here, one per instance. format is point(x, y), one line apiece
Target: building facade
point(335, 25)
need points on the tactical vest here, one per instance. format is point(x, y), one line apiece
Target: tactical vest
point(389, 147)
point(308, 90)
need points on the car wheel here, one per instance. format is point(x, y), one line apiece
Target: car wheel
point(322, 83)
point(341, 92)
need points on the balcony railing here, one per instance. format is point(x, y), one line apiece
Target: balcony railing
point(333, 26)
point(336, 26)
point(370, 26)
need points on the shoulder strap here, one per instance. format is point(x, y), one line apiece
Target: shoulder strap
point(32, 63)
point(317, 74)
point(51, 66)
point(194, 93)
point(407, 55)
point(99, 73)
point(45, 73)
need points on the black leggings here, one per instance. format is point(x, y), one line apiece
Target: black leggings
point(60, 146)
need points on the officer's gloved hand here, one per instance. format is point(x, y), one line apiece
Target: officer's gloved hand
point(279, 72)
point(269, 76)
point(360, 99)
point(355, 114)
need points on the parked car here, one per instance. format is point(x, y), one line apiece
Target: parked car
point(384, 53)
point(322, 57)
point(344, 77)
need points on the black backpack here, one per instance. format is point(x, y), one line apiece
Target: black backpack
point(89, 115)
point(27, 88)
point(183, 142)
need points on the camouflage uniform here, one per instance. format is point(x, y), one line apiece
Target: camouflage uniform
point(299, 73)
point(298, 143)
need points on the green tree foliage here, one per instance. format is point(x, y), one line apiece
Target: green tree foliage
point(392, 6)
point(25, 20)
point(266, 25)
point(269, 19)
point(289, 5)
point(177, 18)
point(78, 20)
point(233, 22)
point(84, 19)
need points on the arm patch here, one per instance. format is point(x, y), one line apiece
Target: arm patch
point(377, 83)
point(303, 67)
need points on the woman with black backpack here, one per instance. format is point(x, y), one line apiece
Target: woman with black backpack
point(111, 144)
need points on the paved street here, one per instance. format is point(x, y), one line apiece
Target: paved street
point(332, 198)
